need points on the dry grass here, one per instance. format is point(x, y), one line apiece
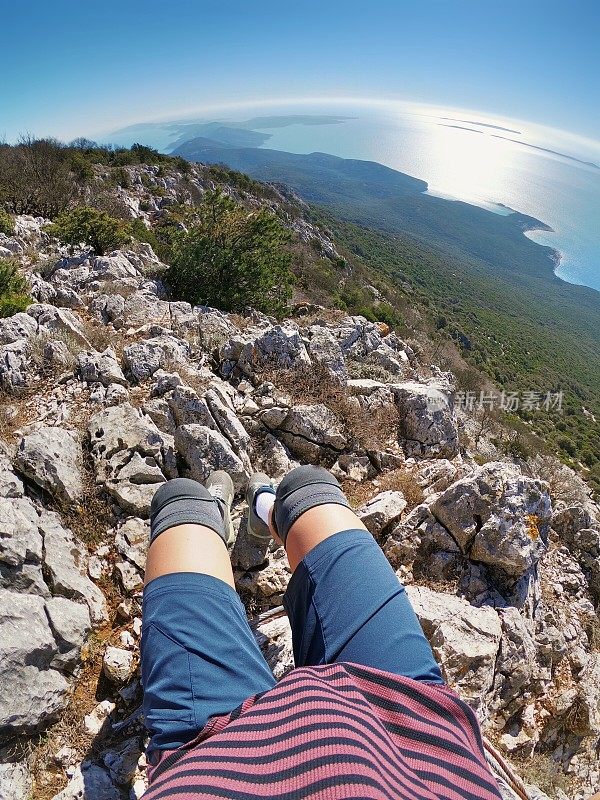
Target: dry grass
point(14, 414)
point(367, 429)
point(397, 480)
point(306, 315)
point(403, 480)
point(38, 344)
point(542, 770)
point(90, 517)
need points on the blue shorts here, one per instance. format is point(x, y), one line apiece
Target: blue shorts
point(200, 658)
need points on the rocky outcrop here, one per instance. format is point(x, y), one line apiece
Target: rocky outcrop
point(132, 389)
point(498, 517)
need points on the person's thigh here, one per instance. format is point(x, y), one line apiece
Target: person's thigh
point(345, 603)
point(199, 657)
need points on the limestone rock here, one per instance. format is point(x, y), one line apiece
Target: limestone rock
point(382, 511)
point(497, 516)
point(100, 368)
point(16, 328)
point(274, 638)
point(205, 450)
point(306, 430)
point(145, 358)
point(586, 719)
point(31, 693)
point(465, 641)
point(89, 781)
point(118, 665)
point(51, 458)
point(60, 320)
point(427, 422)
point(94, 721)
point(279, 347)
point(123, 428)
point(516, 662)
point(10, 485)
point(65, 563)
point(70, 624)
point(15, 781)
point(325, 349)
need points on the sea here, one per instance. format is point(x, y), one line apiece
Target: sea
point(501, 165)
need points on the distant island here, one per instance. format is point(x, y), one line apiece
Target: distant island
point(546, 150)
point(481, 124)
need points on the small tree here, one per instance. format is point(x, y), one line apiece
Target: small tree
point(89, 226)
point(232, 258)
point(7, 223)
point(36, 177)
point(13, 290)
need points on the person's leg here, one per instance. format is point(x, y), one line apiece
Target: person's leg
point(199, 657)
point(344, 600)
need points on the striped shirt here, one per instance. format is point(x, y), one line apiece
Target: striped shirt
point(331, 732)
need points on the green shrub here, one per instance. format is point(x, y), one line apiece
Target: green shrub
point(89, 226)
point(143, 234)
point(13, 290)
point(7, 223)
point(232, 258)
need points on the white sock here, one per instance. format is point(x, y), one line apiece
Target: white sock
point(263, 504)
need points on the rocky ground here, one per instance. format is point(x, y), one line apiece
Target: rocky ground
point(109, 389)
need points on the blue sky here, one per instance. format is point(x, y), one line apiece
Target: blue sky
point(75, 68)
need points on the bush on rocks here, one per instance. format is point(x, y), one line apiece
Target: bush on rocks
point(230, 258)
point(7, 224)
point(86, 225)
point(13, 289)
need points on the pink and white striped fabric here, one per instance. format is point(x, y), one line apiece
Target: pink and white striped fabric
point(334, 732)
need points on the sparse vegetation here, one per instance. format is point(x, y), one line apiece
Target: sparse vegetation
point(13, 290)
point(7, 223)
point(368, 429)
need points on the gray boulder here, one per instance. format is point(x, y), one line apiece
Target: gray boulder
point(10, 485)
point(14, 365)
point(204, 450)
point(427, 422)
point(274, 638)
point(65, 567)
point(123, 428)
point(516, 665)
point(131, 456)
point(100, 368)
point(306, 430)
point(325, 350)
point(279, 347)
point(15, 781)
point(19, 326)
point(145, 358)
point(62, 321)
point(90, 782)
point(145, 306)
point(497, 516)
point(465, 641)
point(70, 624)
point(382, 511)
point(585, 721)
point(31, 693)
point(51, 458)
